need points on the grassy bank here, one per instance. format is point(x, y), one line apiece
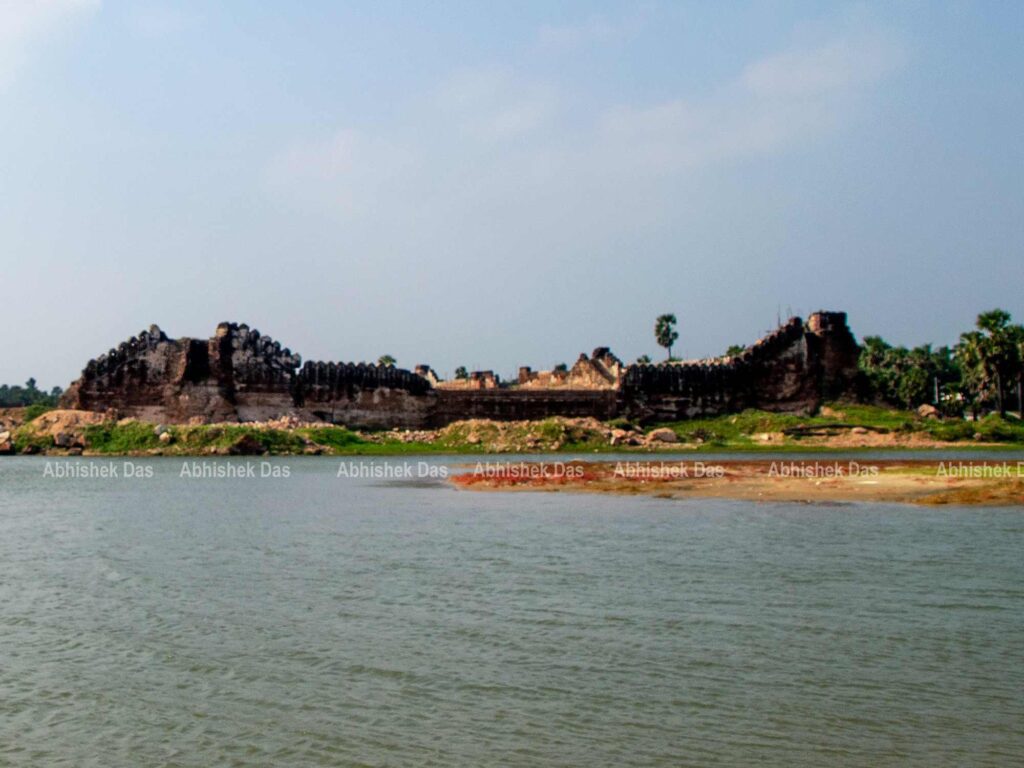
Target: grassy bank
point(835, 428)
point(843, 427)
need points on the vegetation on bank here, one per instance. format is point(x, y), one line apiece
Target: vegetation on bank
point(843, 423)
point(838, 427)
point(469, 437)
point(983, 371)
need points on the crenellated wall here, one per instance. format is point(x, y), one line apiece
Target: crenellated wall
point(521, 404)
point(364, 395)
point(792, 369)
point(242, 375)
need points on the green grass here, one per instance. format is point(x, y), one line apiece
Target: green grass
point(130, 437)
point(738, 431)
point(137, 437)
point(337, 438)
point(732, 432)
point(201, 439)
point(25, 437)
point(991, 429)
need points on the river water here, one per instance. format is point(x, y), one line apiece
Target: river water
point(317, 620)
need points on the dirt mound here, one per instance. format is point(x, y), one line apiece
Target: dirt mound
point(11, 418)
point(521, 436)
point(54, 423)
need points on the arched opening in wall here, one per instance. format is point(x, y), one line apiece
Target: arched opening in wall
point(197, 362)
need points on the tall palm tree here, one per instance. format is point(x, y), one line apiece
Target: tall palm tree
point(992, 355)
point(1003, 350)
point(665, 332)
point(970, 353)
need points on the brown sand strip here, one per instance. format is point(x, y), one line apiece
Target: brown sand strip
point(919, 481)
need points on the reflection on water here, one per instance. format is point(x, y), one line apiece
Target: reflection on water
point(317, 620)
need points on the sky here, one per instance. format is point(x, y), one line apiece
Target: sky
point(502, 184)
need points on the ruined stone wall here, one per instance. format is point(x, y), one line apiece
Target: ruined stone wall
point(792, 369)
point(521, 404)
point(361, 395)
point(242, 375)
point(154, 378)
point(602, 370)
point(256, 374)
point(476, 380)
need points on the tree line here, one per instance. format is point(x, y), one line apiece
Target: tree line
point(982, 371)
point(29, 394)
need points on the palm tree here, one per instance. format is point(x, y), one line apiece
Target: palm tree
point(386, 361)
point(665, 332)
point(1003, 348)
point(970, 353)
point(1020, 377)
point(992, 355)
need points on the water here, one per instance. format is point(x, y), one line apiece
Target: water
point(316, 620)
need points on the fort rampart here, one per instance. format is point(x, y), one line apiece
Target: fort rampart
point(242, 375)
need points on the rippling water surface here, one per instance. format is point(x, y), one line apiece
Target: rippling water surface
point(317, 620)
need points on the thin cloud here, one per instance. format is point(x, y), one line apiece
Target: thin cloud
point(484, 142)
point(774, 103)
point(595, 30)
point(25, 24)
point(842, 63)
point(490, 105)
point(158, 21)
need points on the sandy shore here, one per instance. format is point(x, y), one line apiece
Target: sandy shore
point(900, 481)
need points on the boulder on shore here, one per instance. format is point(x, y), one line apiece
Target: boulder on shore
point(247, 445)
point(662, 435)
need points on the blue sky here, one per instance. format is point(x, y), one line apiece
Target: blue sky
point(491, 185)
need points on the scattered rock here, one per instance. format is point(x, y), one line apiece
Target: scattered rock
point(166, 438)
point(858, 431)
point(247, 445)
point(831, 413)
point(662, 435)
point(75, 450)
point(6, 445)
point(62, 440)
point(928, 411)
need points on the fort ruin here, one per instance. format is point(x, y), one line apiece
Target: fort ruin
point(241, 375)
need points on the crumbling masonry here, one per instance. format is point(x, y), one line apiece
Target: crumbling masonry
point(240, 375)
